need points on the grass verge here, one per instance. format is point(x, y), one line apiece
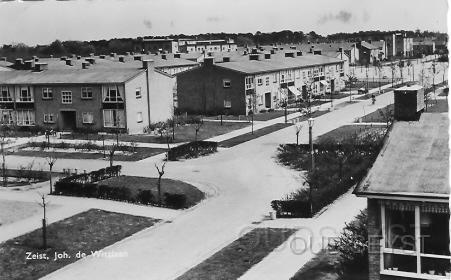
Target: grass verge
point(349, 131)
point(141, 153)
point(86, 232)
point(235, 259)
point(249, 136)
point(135, 184)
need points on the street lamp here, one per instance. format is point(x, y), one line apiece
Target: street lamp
point(310, 127)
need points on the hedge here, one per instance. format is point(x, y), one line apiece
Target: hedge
point(291, 208)
point(192, 150)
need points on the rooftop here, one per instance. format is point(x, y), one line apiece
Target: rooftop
point(277, 62)
point(414, 161)
point(368, 45)
point(409, 88)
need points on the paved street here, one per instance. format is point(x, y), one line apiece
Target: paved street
point(241, 182)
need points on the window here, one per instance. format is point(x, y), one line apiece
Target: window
point(139, 117)
point(259, 81)
point(415, 239)
point(298, 74)
point(25, 95)
point(267, 81)
point(249, 82)
point(87, 117)
point(6, 117)
point(25, 117)
point(49, 118)
point(4, 95)
point(47, 93)
point(226, 83)
point(66, 97)
point(138, 92)
point(113, 118)
point(227, 104)
point(260, 100)
point(86, 93)
point(275, 78)
point(282, 78)
point(113, 95)
point(303, 74)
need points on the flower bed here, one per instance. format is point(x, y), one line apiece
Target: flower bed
point(192, 150)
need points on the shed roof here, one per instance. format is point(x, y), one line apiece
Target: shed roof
point(414, 161)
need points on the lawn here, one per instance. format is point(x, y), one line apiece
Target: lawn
point(86, 232)
point(324, 266)
point(183, 133)
point(135, 184)
point(141, 153)
point(347, 131)
point(249, 136)
point(439, 106)
point(235, 259)
point(380, 115)
point(12, 211)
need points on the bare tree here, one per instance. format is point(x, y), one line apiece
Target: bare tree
point(111, 152)
point(197, 125)
point(51, 159)
point(44, 204)
point(160, 174)
point(298, 128)
point(351, 81)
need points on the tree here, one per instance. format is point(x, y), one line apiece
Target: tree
point(44, 221)
point(351, 81)
point(113, 149)
point(393, 71)
point(298, 128)
point(160, 174)
point(197, 124)
point(51, 159)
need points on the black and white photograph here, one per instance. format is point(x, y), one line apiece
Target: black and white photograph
point(223, 140)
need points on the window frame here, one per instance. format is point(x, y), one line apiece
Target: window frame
point(47, 93)
point(65, 95)
point(138, 92)
point(7, 97)
point(84, 114)
point(28, 97)
point(86, 90)
point(49, 118)
point(226, 83)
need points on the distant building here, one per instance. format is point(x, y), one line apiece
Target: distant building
point(368, 53)
point(204, 46)
point(399, 45)
point(423, 46)
point(158, 45)
point(408, 194)
point(256, 81)
point(409, 103)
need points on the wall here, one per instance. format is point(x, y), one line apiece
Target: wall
point(374, 230)
point(133, 105)
point(161, 96)
point(201, 91)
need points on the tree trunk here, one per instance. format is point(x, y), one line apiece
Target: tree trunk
point(159, 190)
point(51, 184)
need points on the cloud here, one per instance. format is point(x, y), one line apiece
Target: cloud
point(366, 16)
point(341, 16)
point(147, 23)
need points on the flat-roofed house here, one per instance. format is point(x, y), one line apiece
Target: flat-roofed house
point(408, 202)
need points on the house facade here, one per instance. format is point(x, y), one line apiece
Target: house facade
point(208, 46)
point(399, 45)
point(407, 191)
point(257, 82)
point(91, 99)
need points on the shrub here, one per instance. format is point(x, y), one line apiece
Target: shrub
point(145, 197)
point(192, 150)
point(291, 208)
point(352, 244)
point(176, 201)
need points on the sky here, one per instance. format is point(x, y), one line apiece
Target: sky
point(41, 22)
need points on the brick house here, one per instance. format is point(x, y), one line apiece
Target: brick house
point(102, 98)
point(408, 202)
point(255, 82)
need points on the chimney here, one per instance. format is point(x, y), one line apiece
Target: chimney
point(148, 64)
point(4, 59)
point(318, 52)
point(273, 51)
point(85, 65)
point(299, 53)
point(91, 54)
point(78, 57)
point(35, 58)
point(113, 54)
point(281, 48)
point(91, 60)
point(293, 47)
point(163, 56)
point(41, 66)
point(177, 55)
point(253, 56)
point(289, 54)
point(138, 57)
point(29, 64)
point(267, 56)
point(51, 56)
point(226, 59)
point(102, 56)
point(63, 58)
point(127, 53)
point(340, 49)
point(70, 62)
point(121, 58)
point(245, 53)
point(209, 61)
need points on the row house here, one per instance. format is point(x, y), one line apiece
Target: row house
point(99, 99)
point(399, 45)
point(209, 46)
point(257, 82)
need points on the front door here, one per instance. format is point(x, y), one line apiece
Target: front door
point(268, 100)
point(69, 120)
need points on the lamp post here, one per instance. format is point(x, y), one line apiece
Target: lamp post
point(310, 127)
